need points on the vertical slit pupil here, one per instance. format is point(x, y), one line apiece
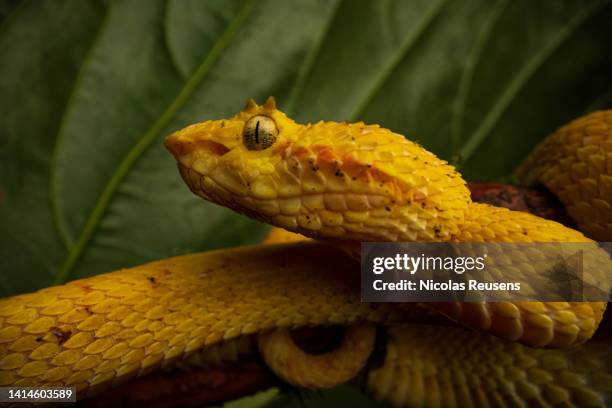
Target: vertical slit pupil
point(257, 132)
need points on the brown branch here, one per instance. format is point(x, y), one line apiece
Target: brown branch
point(189, 388)
point(539, 202)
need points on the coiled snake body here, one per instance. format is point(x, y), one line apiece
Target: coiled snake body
point(341, 184)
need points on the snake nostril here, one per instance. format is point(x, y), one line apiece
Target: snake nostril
point(214, 148)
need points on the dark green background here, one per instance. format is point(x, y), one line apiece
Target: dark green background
point(88, 89)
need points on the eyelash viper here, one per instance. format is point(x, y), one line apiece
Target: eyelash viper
point(339, 183)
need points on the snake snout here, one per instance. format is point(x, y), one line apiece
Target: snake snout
point(178, 145)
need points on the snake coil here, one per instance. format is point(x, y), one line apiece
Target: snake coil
point(340, 184)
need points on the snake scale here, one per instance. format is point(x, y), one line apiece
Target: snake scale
point(341, 184)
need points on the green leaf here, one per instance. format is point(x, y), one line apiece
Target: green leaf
point(86, 185)
point(88, 89)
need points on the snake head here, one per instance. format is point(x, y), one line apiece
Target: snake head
point(324, 180)
point(233, 162)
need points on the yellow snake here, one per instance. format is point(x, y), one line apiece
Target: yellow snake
point(342, 184)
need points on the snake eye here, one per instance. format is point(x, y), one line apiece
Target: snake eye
point(259, 133)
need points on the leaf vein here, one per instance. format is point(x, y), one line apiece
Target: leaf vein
point(421, 27)
point(168, 48)
point(54, 198)
point(466, 80)
point(143, 142)
point(300, 81)
point(520, 80)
